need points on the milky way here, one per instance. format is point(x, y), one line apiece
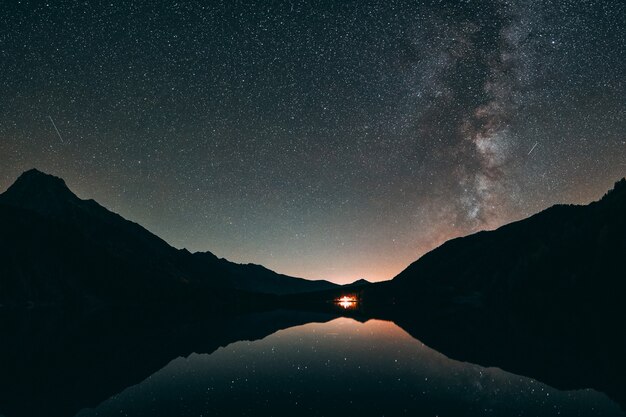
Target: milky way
point(323, 139)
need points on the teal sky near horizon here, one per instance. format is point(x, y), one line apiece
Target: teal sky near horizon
point(323, 139)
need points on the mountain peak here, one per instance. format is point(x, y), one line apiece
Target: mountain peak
point(360, 281)
point(34, 176)
point(38, 191)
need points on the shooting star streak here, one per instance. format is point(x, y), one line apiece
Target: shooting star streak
point(533, 148)
point(57, 130)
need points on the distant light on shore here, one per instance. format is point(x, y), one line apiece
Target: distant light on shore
point(347, 301)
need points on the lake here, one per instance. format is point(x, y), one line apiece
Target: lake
point(340, 366)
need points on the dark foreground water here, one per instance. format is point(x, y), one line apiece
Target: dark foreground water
point(342, 367)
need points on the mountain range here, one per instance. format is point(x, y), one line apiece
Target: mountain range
point(56, 248)
point(563, 263)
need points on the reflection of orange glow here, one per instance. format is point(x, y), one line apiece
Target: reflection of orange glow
point(347, 301)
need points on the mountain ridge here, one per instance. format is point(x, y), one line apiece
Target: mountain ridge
point(56, 246)
point(573, 212)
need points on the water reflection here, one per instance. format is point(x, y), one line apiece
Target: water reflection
point(347, 302)
point(322, 369)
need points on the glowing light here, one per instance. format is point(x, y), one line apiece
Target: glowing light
point(347, 302)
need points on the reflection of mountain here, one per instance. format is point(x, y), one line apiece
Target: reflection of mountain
point(55, 364)
point(339, 368)
point(57, 249)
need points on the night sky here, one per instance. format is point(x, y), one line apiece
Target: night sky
point(322, 139)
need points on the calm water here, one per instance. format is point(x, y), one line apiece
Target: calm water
point(342, 367)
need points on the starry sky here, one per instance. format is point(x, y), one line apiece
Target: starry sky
point(322, 139)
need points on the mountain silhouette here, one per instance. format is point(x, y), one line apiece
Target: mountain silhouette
point(57, 249)
point(568, 256)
